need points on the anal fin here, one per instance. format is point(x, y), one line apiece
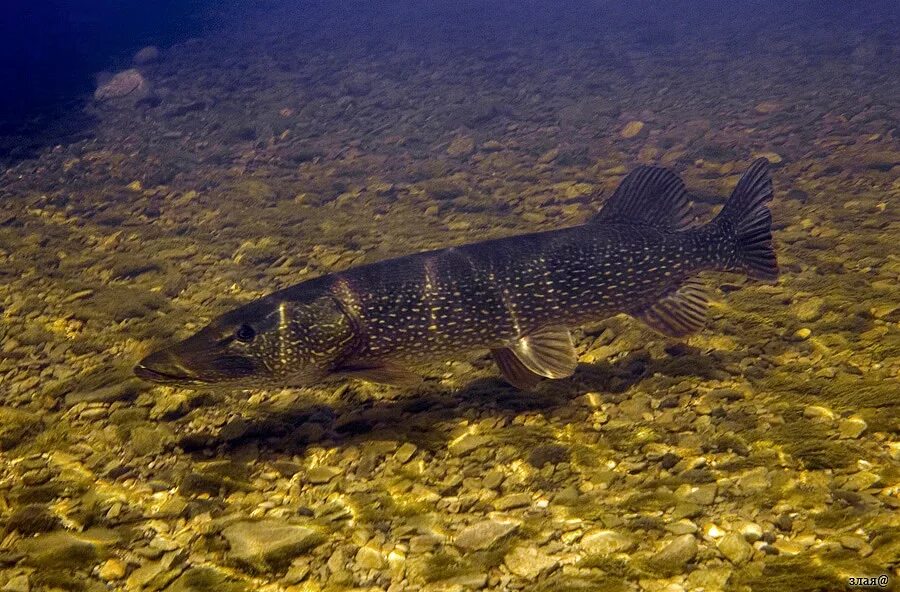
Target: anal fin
point(678, 313)
point(547, 353)
point(387, 373)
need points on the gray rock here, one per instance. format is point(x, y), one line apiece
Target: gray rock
point(126, 86)
point(483, 535)
point(735, 548)
point(672, 558)
point(261, 544)
point(529, 562)
point(146, 55)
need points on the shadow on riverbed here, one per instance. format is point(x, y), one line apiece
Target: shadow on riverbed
point(413, 416)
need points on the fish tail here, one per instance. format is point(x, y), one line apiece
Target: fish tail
point(747, 221)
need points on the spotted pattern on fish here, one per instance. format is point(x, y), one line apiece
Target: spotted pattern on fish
point(515, 296)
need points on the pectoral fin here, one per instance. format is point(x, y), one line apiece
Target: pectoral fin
point(679, 313)
point(388, 373)
point(513, 370)
point(547, 353)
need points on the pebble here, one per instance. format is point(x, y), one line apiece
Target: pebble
point(128, 84)
point(607, 542)
point(369, 558)
point(703, 495)
point(751, 531)
point(809, 310)
point(513, 500)
point(862, 480)
point(405, 452)
point(17, 584)
point(59, 549)
point(529, 562)
point(735, 548)
point(146, 55)
point(802, 334)
point(467, 443)
point(259, 543)
point(483, 535)
point(683, 526)
point(461, 146)
point(852, 427)
point(817, 412)
point(112, 569)
point(632, 129)
point(322, 474)
point(672, 558)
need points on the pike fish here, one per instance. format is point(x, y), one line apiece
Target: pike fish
point(517, 297)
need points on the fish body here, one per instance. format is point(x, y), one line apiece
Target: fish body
point(517, 296)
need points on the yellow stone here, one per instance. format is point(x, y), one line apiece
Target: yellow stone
point(135, 186)
point(113, 569)
point(632, 128)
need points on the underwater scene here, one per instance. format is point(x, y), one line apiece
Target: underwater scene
point(315, 296)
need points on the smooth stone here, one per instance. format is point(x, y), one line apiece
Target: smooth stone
point(735, 548)
point(672, 558)
point(129, 84)
point(59, 549)
point(483, 535)
point(809, 310)
point(461, 146)
point(112, 569)
point(818, 412)
point(751, 531)
point(529, 562)
point(369, 558)
point(467, 443)
point(862, 480)
point(268, 541)
point(146, 55)
point(320, 475)
point(17, 584)
point(607, 542)
point(632, 129)
point(852, 427)
point(405, 452)
point(513, 500)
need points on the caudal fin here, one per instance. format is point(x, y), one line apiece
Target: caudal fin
point(746, 217)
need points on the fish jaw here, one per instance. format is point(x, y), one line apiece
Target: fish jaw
point(184, 365)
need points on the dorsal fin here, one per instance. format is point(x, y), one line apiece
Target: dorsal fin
point(651, 196)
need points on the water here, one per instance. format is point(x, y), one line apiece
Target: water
point(272, 143)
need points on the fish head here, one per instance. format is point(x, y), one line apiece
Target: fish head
point(265, 343)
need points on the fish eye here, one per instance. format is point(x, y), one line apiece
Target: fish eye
point(244, 333)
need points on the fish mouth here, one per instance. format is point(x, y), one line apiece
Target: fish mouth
point(166, 368)
point(153, 375)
